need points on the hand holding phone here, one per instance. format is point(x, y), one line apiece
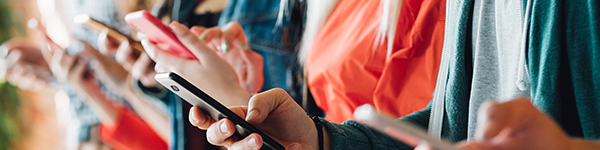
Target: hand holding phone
point(212, 107)
point(158, 33)
point(92, 24)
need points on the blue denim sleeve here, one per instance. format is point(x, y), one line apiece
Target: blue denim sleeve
point(354, 135)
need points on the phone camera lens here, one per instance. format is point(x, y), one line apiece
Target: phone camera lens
point(175, 88)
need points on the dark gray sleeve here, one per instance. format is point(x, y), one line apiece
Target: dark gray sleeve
point(354, 135)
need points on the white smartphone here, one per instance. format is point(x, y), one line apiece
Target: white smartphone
point(192, 94)
point(400, 130)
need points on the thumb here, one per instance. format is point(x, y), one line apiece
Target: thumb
point(261, 104)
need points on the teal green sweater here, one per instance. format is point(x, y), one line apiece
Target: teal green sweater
point(564, 70)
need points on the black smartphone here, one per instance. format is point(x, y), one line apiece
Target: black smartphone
point(212, 107)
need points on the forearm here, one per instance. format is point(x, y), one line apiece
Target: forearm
point(155, 118)
point(102, 106)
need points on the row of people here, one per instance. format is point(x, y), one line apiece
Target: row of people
point(355, 54)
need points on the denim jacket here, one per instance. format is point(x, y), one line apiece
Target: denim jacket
point(277, 44)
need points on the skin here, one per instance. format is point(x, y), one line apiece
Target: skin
point(231, 44)
point(138, 64)
point(23, 65)
point(210, 72)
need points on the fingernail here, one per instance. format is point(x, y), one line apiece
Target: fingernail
point(3, 51)
point(296, 147)
point(252, 114)
point(172, 25)
point(223, 127)
point(103, 34)
point(203, 36)
point(124, 44)
point(149, 49)
point(225, 46)
point(176, 29)
point(244, 47)
point(193, 117)
point(252, 142)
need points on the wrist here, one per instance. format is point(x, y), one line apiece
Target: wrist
point(237, 97)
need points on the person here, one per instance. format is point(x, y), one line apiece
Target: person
point(248, 55)
point(483, 59)
point(113, 116)
point(391, 64)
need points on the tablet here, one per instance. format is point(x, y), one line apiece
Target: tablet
point(190, 93)
point(400, 130)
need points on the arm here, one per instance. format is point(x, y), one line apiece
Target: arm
point(277, 115)
point(354, 135)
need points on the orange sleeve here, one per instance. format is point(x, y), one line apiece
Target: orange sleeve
point(130, 132)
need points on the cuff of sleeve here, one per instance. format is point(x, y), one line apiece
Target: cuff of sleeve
point(158, 93)
point(354, 135)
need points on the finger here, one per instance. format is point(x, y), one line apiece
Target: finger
point(77, 71)
point(494, 117)
point(491, 120)
point(472, 146)
point(424, 146)
point(64, 60)
point(13, 58)
point(92, 52)
point(220, 132)
point(254, 68)
point(199, 119)
point(251, 142)
point(260, 105)
point(161, 57)
point(197, 30)
point(105, 46)
point(211, 34)
point(141, 68)
point(233, 31)
point(125, 56)
point(11, 45)
point(200, 50)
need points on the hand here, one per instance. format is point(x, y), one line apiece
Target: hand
point(209, 73)
point(517, 124)
point(138, 64)
point(232, 46)
point(22, 64)
point(108, 71)
point(273, 112)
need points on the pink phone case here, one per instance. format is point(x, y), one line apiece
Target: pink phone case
point(158, 33)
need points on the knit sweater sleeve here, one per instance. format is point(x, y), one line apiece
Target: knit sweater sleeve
point(354, 135)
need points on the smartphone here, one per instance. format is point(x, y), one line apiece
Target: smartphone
point(92, 24)
point(400, 130)
point(158, 33)
point(212, 107)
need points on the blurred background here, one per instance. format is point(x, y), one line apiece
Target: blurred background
point(29, 120)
